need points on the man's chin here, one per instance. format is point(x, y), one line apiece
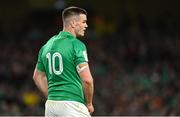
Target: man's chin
point(80, 35)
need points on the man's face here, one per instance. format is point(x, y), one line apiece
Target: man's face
point(80, 25)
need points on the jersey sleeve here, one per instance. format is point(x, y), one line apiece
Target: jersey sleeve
point(80, 53)
point(39, 64)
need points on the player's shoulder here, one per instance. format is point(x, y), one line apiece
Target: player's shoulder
point(78, 44)
point(47, 43)
point(50, 41)
point(77, 41)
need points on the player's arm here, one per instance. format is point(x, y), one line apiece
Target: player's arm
point(88, 86)
point(40, 80)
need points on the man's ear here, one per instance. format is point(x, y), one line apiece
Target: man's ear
point(73, 23)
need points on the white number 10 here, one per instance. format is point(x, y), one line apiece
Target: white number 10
point(52, 64)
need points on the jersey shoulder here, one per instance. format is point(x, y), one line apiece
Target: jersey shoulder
point(78, 44)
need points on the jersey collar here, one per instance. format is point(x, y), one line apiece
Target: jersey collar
point(65, 34)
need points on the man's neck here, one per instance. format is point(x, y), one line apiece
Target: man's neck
point(70, 31)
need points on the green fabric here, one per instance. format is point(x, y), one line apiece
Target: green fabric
point(63, 53)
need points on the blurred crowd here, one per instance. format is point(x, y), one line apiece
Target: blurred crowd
point(136, 68)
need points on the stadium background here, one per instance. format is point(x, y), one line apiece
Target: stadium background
point(133, 46)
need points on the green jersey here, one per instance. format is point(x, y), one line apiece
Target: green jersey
point(58, 58)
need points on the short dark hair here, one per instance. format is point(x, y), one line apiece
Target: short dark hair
point(70, 11)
